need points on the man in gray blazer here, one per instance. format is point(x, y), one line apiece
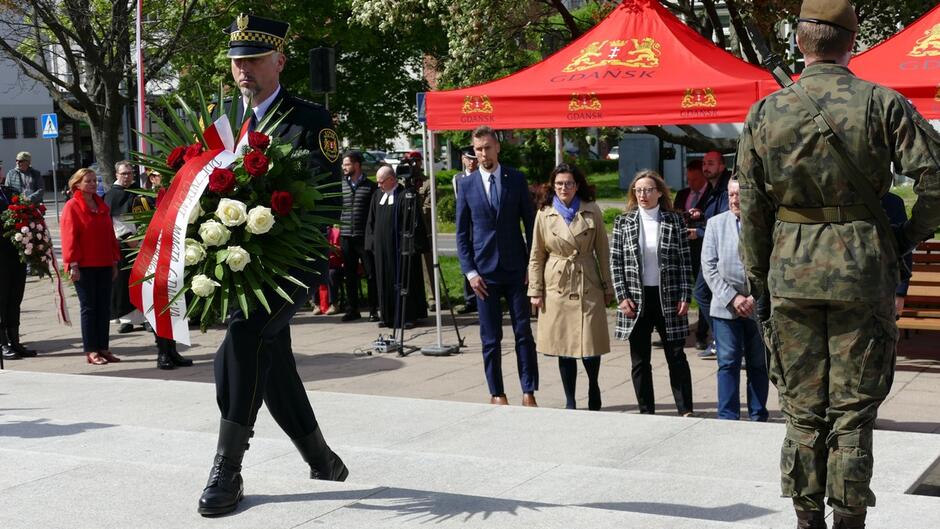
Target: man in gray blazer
point(733, 316)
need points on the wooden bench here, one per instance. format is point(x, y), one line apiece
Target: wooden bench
point(927, 256)
point(922, 305)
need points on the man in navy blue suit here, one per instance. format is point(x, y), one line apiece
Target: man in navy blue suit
point(494, 256)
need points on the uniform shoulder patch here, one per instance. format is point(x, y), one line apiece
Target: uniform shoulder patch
point(329, 144)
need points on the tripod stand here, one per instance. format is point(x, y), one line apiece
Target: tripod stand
point(409, 223)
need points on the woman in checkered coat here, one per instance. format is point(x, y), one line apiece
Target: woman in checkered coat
point(651, 269)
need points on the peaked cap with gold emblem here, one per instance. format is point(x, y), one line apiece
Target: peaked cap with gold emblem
point(253, 36)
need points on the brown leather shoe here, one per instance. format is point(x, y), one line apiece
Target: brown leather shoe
point(528, 399)
point(500, 400)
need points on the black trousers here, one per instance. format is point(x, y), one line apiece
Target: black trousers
point(680, 376)
point(12, 287)
point(94, 298)
point(354, 252)
point(255, 363)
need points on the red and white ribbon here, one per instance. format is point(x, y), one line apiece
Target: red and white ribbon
point(62, 310)
point(162, 252)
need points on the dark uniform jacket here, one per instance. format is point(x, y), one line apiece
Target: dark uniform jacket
point(783, 160)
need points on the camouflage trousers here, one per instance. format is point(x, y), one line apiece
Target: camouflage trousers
point(833, 365)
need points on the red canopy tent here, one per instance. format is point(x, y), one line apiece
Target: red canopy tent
point(908, 62)
point(640, 66)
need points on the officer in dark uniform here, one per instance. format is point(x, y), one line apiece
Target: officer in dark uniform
point(255, 362)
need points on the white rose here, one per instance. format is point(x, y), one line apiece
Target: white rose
point(18, 237)
point(237, 258)
point(231, 212)
point(194, 252)
point(214, 234)
point(39, 236)
point(28, 251)
point(195, 213)
point(24, 230)
point(32, 225)
point(260, 220)
point(202, 286)
point(39, 228)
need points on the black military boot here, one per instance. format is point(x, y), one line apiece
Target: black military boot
point(324, 463)
point(845, 521)
point(224, 488)
point(13, 337)
point(810, 519)
point(178, 359)
point(163, 354)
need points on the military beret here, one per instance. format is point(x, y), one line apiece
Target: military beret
point(467, 152)
point(253, 36)
point(838, 13)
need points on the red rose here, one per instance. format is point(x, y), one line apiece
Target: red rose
point(257, 140)
point(221, 181)
point(192, 151)
point(256, 163)
point(15, 199)
point(175, 159)
point(282, 202)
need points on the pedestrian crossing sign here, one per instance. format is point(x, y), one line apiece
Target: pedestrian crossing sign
point(50, 126)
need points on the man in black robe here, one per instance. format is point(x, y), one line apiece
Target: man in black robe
point(394, 211)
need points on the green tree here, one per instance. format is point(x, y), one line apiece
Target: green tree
point(81, 52)
point(484, 40)
point(377, 74)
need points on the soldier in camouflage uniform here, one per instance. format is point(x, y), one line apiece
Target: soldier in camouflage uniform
point(809, 241)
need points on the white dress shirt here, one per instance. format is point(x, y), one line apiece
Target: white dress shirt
point(263, 106)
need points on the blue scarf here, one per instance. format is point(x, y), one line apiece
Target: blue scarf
point(567, 212)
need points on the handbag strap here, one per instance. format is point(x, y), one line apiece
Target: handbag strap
point(849, 168)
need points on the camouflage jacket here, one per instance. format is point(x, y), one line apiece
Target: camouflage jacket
point(784, 160)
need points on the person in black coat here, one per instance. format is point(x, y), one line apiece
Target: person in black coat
point(255, 362)
point(12, 288)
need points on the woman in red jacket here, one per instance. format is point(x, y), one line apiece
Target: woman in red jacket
point(91, 253)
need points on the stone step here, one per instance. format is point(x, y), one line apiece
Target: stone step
point(103, 452)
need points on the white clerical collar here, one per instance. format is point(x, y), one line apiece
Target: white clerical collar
point(388, 198)
point(263, 107)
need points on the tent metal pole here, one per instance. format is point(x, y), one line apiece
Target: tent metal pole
point(559, 146)
point(440, 349)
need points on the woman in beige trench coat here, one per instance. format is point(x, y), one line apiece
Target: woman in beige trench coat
point(569, 280)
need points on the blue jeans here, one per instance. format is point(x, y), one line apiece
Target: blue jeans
point(740, 338)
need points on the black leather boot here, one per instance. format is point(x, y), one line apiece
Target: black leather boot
point(845, 521)
point(178, 359)
point(224, 488)
point(13, 337)
point(810, 519)
point(163, 354)
point(324, 463)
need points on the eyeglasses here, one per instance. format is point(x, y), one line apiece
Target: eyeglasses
point(645, 190)
point(565, 185)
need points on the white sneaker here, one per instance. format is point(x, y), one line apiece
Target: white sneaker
point(316, 310)
point(332, 310)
